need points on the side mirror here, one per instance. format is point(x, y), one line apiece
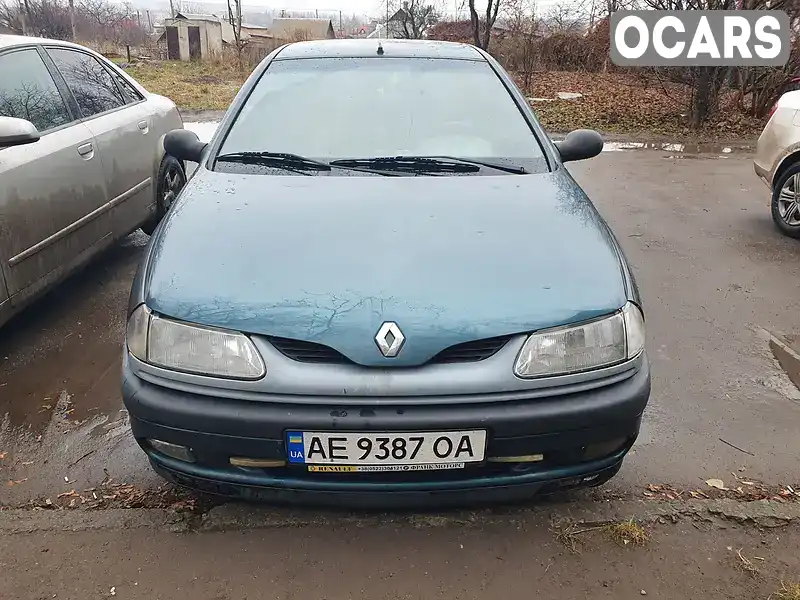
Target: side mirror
point(16, 132)
point(184, 145)
point(580, 144)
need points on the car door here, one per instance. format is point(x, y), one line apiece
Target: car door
point(121, 125)
point(49, 189)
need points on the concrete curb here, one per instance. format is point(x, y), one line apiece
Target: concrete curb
point(233, 517)
point(787, 357)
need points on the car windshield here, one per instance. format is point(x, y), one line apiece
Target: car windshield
point(339, 109)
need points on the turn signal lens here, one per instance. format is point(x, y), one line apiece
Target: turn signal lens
point(136, 335)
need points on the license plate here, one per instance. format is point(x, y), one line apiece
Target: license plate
point(396, 451)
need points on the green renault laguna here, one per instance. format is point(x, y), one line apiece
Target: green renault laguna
point(381, 287)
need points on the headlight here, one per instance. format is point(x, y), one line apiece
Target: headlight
point(192, 348)
point(583, 347)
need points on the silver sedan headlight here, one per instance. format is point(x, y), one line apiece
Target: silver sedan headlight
point(189, 348)
point(583, 347)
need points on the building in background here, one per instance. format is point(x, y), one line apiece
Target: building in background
point(195, 37)
point(296, 30)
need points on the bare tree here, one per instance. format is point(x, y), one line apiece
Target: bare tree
point(235, 19)
point(564, 17)
point(44, 18)
point(184, 6)
point(482, 38)
point(522, 53)
point(706, 82)
point(413, 19)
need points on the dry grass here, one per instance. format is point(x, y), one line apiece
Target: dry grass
point(569, 536)
point(628, 532)
point(191, 85)
point(745, 565)
point(788, 591)
point(624, 533)
point(628, 104)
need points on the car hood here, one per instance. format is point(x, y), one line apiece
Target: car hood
point(329, 259)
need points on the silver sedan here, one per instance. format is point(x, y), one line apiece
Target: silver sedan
point(777, 162)
point(82, 162)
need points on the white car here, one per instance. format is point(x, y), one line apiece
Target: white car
point(777, 162)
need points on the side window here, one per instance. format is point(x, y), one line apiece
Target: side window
point(27, 91)
point(131, 95)
point(91, 84)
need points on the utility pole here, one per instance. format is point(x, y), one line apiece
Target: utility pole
point(25, 17)
point(387, 20)
point(149, 22)
point(72, 18)
point(341, 29)
point(171, 10)
point(316, 13)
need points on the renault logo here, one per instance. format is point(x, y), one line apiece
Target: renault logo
point(390, 339)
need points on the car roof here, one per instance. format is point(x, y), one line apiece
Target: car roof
point(8, 41)
point(363, 48)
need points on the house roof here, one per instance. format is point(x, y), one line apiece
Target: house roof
point(197, 17)
point(316, 28)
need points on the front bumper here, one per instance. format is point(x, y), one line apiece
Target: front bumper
point(583, 437)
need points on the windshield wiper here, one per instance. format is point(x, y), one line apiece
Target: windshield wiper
point(408, 164)
point(292, 162)
point(428, 164)
point(281, 160)
point(483, 163)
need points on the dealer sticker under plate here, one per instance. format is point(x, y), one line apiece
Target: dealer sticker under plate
point(350, 452)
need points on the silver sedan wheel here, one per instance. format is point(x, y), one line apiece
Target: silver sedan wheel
point(173, 182)
point(789, 201)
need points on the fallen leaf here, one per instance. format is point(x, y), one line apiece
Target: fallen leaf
point(716, 483)
point(13, 482)
point(3, 455)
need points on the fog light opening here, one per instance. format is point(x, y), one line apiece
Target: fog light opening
point(603, 449)
point(258, 463)
point(527, 458)
point(175, 451)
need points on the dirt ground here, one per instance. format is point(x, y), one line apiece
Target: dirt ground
point(510, 558)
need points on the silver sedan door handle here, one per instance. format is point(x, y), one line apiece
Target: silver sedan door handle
point(143, 126)
point(86, 150)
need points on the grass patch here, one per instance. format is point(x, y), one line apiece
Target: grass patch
point(191, 85)
point(627, 104)
point(628, 532)
point(745, 565)
point(624, 533)
point(788, 591)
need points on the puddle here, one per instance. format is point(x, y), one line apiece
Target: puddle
point(685, 148)
point(70, 342)
point(205, 130)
